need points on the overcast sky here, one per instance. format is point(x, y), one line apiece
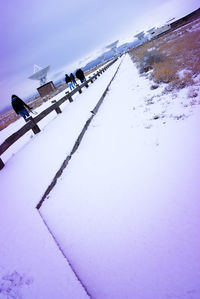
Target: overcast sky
point(64, 33)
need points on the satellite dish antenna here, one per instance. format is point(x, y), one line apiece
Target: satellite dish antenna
point(103, 57)
point(40, 74)
point(113, 47)
point(140, 35)
point(125, 48)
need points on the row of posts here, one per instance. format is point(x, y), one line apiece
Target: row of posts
point(35, 127)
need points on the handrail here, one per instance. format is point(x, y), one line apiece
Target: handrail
point(32, 122)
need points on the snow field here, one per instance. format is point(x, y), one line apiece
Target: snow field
point(31, 265)
point(126, 209)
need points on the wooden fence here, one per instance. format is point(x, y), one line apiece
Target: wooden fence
point(32, 123)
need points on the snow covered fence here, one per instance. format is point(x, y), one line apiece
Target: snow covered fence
point(32, 123)
point(76, 145)
point(59, 173)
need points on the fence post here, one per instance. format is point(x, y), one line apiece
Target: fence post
point(91, 80)
point(79, 90)
point(1, 164)
point(70, 98)
point(35, 129)
point(58, 110)
point(86, 85)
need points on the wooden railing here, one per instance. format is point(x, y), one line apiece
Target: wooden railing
point(32, 123)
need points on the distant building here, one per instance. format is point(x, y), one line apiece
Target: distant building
point(157, 31)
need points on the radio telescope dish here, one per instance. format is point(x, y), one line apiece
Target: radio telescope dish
point(102, 57)
point(40, 74)
point(125, 47)
point(140, 35)
point(113, 45)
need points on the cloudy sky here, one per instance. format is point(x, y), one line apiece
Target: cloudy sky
point(64, 34)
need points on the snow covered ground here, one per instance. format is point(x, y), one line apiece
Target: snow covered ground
point(125, 211)
point(30, 262)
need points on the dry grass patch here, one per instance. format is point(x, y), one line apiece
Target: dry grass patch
point(179, 51)
point(163, 72)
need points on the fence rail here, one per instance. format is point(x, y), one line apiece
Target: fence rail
point(32, 123)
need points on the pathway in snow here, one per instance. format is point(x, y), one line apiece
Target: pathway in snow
point(126, 210)
point(31, 266)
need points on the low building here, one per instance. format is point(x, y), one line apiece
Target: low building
point(157, 31)
point(46, 89)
